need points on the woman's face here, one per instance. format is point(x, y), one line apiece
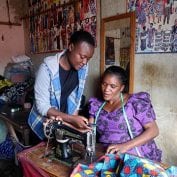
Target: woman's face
point(111, 87)
point(80, 54)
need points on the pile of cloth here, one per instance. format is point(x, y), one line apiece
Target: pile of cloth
point(14, 92)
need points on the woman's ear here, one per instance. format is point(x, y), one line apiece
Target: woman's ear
point(122, 88)
point(70, 47)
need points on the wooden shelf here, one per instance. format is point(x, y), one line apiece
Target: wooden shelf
point(10, 23)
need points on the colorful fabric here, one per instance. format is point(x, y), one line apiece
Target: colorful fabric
point(112, 165)
point(112, 127)
point(17, 92)
point(105, 166)
point(138, 167)
point(4, 83)
point(51, 95)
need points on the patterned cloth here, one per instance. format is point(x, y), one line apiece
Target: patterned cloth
point(16, 92)
point(125, 165)
point(105, 166)
point(9, 148)
point(112, 127)
point(138, 167)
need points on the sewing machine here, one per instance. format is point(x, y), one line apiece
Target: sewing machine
point(70, 144)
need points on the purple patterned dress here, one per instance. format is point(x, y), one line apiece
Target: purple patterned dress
point(112, 128)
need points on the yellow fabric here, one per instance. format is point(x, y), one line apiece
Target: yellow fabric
point(4, 83)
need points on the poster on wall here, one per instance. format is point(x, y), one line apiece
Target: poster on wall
point(51, 23)
point(156, 25)
point(110, 51)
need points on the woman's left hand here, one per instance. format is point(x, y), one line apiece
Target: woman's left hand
point(117, 148)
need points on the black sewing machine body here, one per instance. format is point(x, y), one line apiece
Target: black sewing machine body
point(71, 144)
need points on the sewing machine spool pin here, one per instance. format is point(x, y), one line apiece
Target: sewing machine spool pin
point(91, 142)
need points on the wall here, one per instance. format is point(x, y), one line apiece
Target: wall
point(11, 37)
point(12, 45)
point(156, 74)
point(94, 72)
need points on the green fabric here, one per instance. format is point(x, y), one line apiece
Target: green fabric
point(3, 131)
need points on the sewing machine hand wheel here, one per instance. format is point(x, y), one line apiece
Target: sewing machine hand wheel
point(49, 126)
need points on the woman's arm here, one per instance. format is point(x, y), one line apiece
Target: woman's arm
point(42, 98)
point(41, 90)
point(76, 120)
point(150, 132)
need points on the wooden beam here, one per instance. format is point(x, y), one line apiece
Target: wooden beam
point(10, 23)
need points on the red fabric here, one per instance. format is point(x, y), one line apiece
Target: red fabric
point(29, 169)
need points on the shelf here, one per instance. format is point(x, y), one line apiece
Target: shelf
point(10, 23)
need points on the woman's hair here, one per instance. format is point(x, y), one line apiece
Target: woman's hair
point(120, 73)
point(82, 36)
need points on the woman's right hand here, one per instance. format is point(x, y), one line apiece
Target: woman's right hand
point(117, 148)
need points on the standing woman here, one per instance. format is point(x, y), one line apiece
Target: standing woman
point(125, 122)
point(60, 83)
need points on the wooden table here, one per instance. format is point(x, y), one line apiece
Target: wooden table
point(45, 167)
point(16, 121)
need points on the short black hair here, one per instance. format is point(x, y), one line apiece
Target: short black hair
point(120, 73)
point(82, 36)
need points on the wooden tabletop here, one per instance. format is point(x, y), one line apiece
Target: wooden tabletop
point(17, 119)
point(54, 168)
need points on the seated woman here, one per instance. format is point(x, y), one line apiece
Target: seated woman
point(125, 122)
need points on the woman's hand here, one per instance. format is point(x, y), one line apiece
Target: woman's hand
point(150, 132)
point(51, 119)
point(80, 122)
point(56, 118)
point(117, 148)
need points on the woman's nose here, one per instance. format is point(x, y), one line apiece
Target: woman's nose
point(84, 61)
point(107, 87)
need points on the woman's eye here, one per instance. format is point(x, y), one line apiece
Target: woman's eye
point(82, 57)
point(113, 86)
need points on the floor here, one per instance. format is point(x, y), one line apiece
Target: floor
point(8, 168)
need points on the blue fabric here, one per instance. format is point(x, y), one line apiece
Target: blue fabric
point(7, 149)
point(35, 119)
point(3, 131)
point(125, 165)
point(135, 166)
point(105, 166)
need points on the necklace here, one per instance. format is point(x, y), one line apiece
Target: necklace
point(99, 110)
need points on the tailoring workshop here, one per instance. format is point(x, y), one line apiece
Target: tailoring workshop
point(88, 88)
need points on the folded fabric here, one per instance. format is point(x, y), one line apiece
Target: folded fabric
point(137, 167)
point(107, 165)
point(124, 165)
point(172, 171)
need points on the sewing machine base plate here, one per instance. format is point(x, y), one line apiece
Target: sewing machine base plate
point(70, 162)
